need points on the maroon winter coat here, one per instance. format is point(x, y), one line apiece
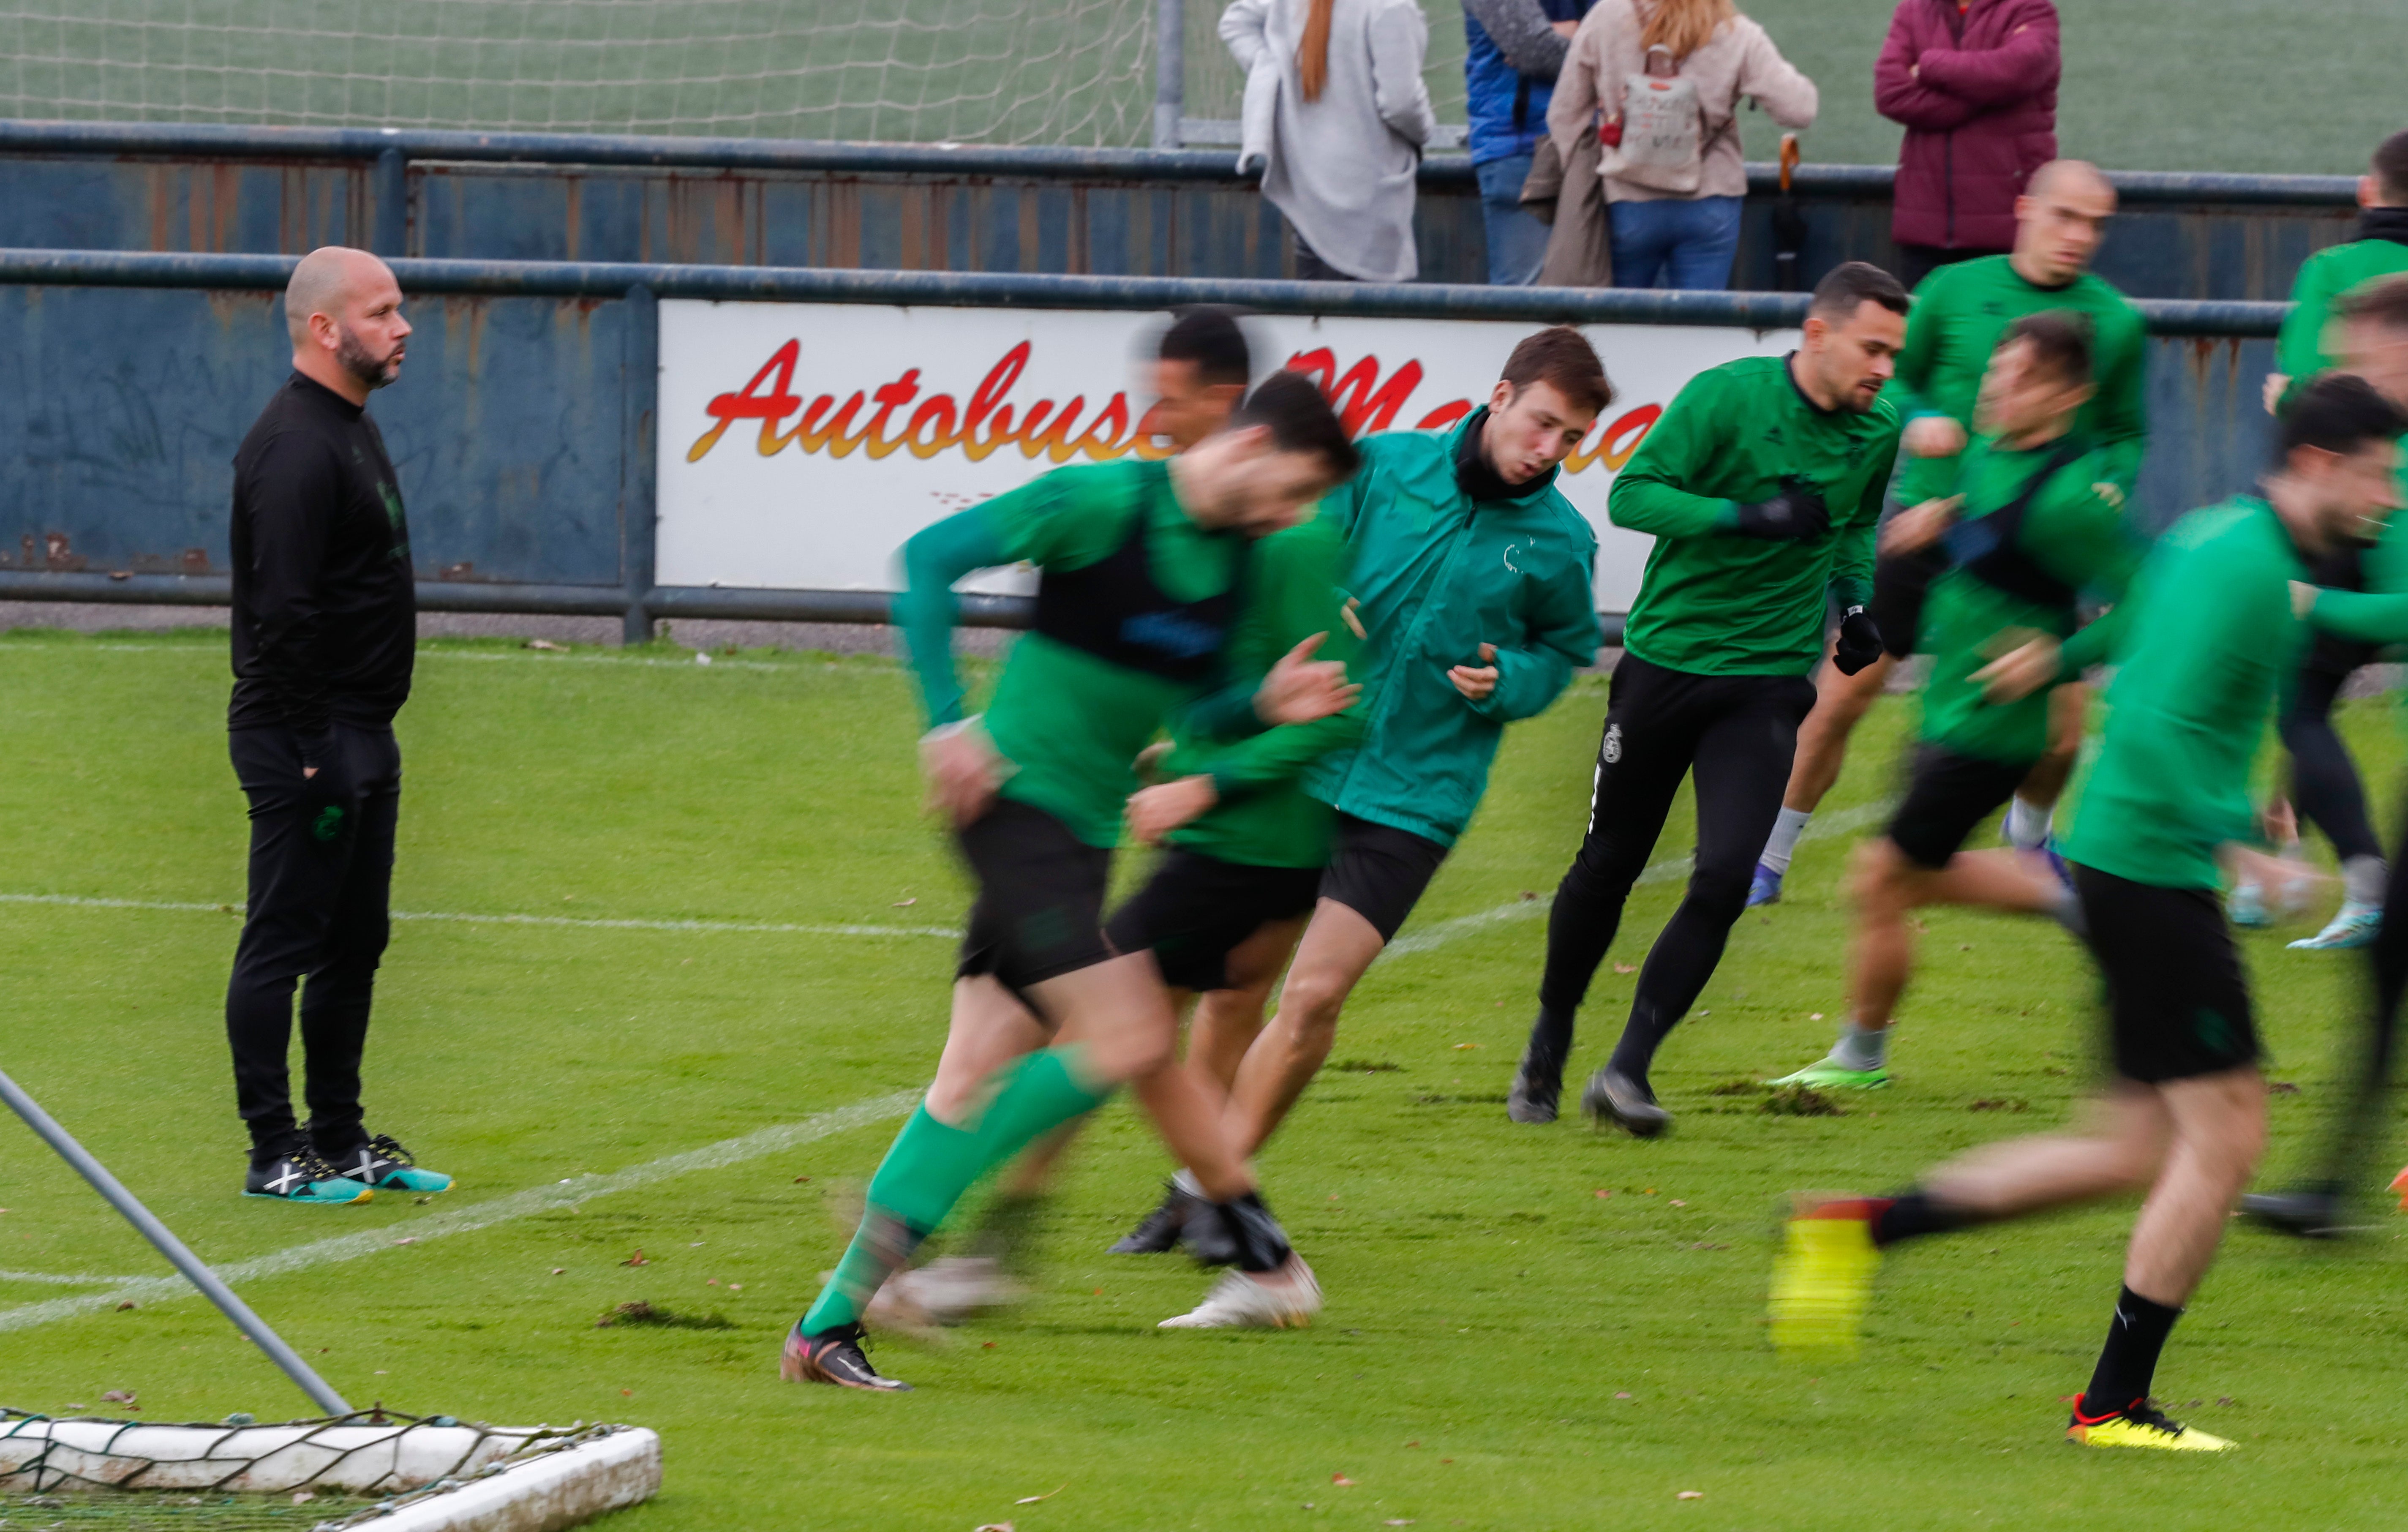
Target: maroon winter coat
point(1980, 115)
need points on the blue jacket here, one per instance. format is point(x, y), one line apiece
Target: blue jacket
point(1508, 108)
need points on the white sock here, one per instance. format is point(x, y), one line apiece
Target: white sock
point(1860, 1049)
point(1783, 844)
point(1188, 1183)
point(2362, 879)
point(2028, 825)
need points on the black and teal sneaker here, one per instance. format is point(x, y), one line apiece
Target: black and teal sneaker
point(383, 1164)
point(300, 1175)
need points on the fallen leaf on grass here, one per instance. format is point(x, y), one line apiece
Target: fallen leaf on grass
point(558, 1269)
point(1461, 1046)
point(1625, 968)
point(303, 1497)
point(1676, 1202)
point(995, 1527)
point(639, 1258)
point(123, 1396)
point(903, 904)
point(546, 645)
point(1397, 1521)
point(1814, 1016)
point(1622, 1395)
point(127, 1304)
point(411, 1240)
point(1341, 1479)
point(800, 1180)
point(2282, 1087)
point(1605, 1191)
point(1032, 1500)
point(1691, 1494)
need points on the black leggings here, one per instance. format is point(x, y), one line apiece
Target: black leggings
point(2324, 781)
point(2358, 1133)
point(1737, 734)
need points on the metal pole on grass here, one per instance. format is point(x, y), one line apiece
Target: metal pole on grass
point(1170, 71)
point(183, 1260)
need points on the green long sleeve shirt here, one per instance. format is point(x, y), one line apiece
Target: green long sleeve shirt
point(1264, 818)
point(1068, 722)
point(2071, 531)
point(2208, 642)
point(1960, 313)
point(1711, 602)
point(2301, 351)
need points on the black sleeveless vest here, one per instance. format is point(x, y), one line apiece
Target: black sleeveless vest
point(1113, 609)
point(1986, 548)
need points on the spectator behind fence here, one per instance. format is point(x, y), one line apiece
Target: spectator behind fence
point(1512, 49)
point(1659, 81)
point(1336, 116)
point(1974, 82)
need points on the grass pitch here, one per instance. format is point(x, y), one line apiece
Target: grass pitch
point(1507, 1346)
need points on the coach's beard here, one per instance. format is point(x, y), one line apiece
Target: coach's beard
point(373, 371)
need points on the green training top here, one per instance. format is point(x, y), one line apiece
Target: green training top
point(1711, 602)
point(1264, 818)
point(1069, 723)
point(2071, 532)
point(1961, 311)
point(2210, 639)
point(2300, 351)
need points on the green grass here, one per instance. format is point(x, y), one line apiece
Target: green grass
point(1488, 1310)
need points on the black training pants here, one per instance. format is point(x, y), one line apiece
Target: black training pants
point(2324, 781)
point(320, 872)
point(2356, 1135)
point(1737, 735)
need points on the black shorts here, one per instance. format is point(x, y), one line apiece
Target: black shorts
point(1947, 798)
point(1195, 909)
point(1039, 911)
point(1378, 871)
point(2177, 1005)
point(1899, 585)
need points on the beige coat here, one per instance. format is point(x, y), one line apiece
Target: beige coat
point(1738, 61)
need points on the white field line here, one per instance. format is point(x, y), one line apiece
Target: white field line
point(772, 928)
point(60, 1279)
point(480, 1215)
point(1838, 823)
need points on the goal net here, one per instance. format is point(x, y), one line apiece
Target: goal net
point(371, 1471)
point(984, 71)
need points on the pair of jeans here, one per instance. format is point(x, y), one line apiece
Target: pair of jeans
point(1517, 242)
point(321, 876)
point(1676, 242)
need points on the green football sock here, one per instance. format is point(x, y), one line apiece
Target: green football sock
point(1039, 1094)
point(923, 1174)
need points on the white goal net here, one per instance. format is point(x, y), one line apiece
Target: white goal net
point(975, 71)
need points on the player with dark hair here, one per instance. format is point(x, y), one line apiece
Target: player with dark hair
point(1960, 313)
point(2184, 1115)
point(2325, 784)
point(1761, 484)
point(2025, 535)
point(1142, 565)
point(1200, 370)
point(2368, 339)
point(1472, 575)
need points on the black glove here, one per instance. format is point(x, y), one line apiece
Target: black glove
point(1798, 511)
point(1860, 642)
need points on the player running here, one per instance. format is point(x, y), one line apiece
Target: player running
point(2369, 339)
point(2032, 533)
point(1472, 574)
point(1762, 483)
point(2210, 639)
point(2325, 781)
point(1960, 312)
point(1141, 565)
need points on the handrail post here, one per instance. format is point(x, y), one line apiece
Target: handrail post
point(639, 509)
point(389, 183)
point(1170, 71)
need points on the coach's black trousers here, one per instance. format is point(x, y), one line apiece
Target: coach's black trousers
point(320, 871)
point(1737, 735)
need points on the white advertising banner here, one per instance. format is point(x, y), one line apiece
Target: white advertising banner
point(802, 443)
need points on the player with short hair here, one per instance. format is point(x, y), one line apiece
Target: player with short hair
point(1142, 566)
point(1762, 483)
point(2325, 783)
point(2210, 637)
point(1472, 574)
point(2027, 536)
point(1960, 312)
point(2368, 339)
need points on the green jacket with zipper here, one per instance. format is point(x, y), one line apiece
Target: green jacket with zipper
point(1433, 576)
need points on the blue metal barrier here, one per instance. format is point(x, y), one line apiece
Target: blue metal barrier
point(523, 436)
point(959, 208)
